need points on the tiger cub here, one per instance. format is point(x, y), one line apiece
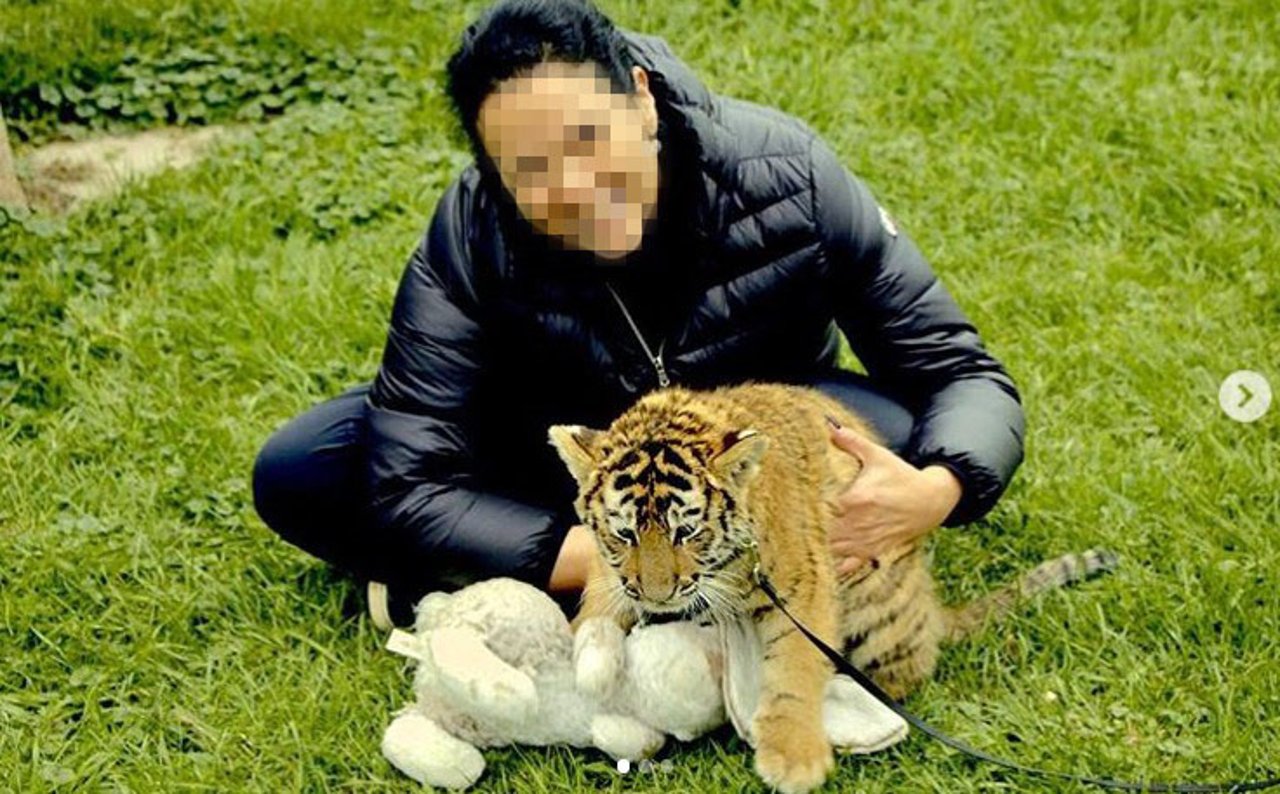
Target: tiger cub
point(687, 491)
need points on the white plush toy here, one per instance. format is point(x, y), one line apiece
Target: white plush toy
point(497, 667)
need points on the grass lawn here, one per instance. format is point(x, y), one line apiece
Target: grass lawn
point(1097, 183)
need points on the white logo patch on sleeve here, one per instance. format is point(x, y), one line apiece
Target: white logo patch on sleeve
point(887, 222)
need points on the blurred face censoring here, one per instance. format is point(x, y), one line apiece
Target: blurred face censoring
point(578, 159)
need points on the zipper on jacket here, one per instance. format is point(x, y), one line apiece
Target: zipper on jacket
point(658, 367)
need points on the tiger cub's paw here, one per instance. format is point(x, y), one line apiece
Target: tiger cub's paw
point(792, 758)
point(598, 656)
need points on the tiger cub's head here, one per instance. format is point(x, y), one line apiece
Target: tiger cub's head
point(666, 508)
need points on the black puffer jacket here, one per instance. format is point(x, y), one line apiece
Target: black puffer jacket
point(767, 248)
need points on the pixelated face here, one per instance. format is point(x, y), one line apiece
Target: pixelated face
point(574, 155)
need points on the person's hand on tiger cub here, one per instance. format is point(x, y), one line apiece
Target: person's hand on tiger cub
point(891, 502)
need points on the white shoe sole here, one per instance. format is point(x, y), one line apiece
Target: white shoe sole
point(379, 609)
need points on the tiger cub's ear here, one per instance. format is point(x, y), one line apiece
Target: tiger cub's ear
point(739, 457)
point(577, 447)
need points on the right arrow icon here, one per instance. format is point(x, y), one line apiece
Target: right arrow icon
point(1248, 395)
point(1244, 395)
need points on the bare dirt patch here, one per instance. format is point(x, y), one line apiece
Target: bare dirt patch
point(60, 175)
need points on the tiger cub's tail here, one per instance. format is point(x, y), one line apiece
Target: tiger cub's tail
point(1058, 572)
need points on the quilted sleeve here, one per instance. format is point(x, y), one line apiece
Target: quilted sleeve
point(425, 495)
point(912, 337)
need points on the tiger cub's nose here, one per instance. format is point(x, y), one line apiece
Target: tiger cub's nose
point(657, 593)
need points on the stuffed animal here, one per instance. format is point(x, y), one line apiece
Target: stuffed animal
point(498, 666)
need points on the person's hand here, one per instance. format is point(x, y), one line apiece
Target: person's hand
point(891, 502)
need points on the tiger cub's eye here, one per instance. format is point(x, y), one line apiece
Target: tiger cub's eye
point(683, 533)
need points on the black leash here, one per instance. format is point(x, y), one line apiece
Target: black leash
point(955, 744)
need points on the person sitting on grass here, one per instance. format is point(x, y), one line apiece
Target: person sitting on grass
point(623, 228)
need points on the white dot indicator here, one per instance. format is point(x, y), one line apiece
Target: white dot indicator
point(624, 766)
point(1244, 395)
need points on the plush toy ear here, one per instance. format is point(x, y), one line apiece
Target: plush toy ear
point(739, 457)
point(578, 448)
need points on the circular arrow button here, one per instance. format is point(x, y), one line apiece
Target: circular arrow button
point(1244, 395)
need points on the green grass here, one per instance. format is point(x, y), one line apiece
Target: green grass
point(1097, 184)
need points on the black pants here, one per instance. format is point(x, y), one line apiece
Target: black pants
point(309, 486)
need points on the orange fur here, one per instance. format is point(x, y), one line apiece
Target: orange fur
point(687, 490)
